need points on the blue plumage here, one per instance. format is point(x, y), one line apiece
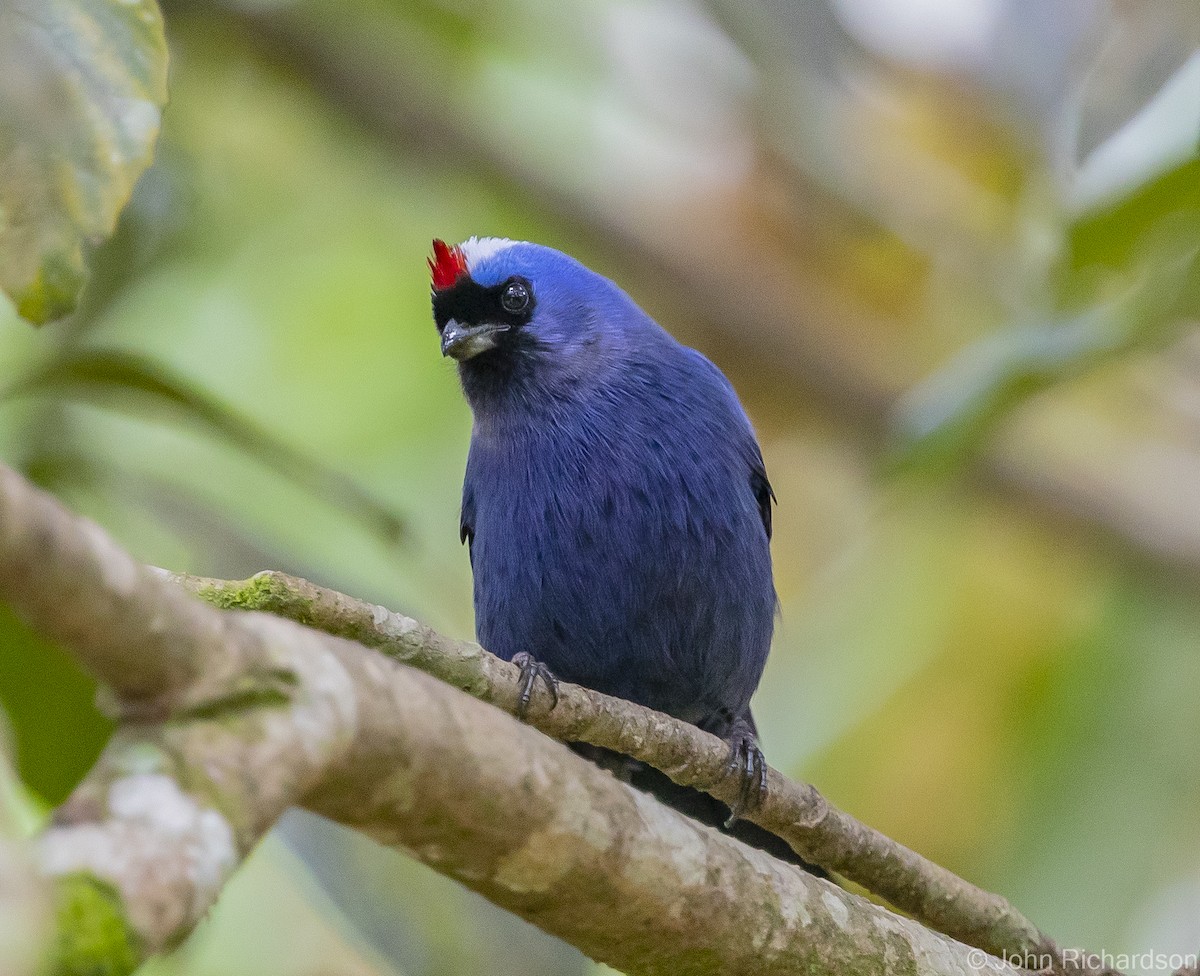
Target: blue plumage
point(615, 500)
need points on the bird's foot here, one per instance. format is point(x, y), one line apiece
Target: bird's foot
point(531, 670)
point(746, 760)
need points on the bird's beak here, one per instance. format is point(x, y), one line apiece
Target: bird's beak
point(464, 341)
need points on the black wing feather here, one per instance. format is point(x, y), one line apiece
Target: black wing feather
point(466, 522)
point(764, 494)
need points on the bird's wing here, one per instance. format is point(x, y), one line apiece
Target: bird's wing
point(466, 519)
point(759, 484)
point(763, 492)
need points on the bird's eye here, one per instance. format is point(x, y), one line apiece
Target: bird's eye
point(515, 297)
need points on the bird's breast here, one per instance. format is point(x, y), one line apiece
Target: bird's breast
point(627, 560)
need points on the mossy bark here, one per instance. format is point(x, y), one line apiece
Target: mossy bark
point(93, 937)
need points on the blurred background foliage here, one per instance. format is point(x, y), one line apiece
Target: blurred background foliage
point(947, 252)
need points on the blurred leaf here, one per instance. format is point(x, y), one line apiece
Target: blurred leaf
point(72, 471)
point(23, 907)
point(1150, 236)
point(371, 885)
point(1113, 236)
point(945, 417)
point(136, 384)
point(20, 813)
point(272, 920)
point(81, 87)
point(1086, 724)
point(50, 704)
point(1164, 134)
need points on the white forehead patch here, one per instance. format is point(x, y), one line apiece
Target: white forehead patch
point(479, 249)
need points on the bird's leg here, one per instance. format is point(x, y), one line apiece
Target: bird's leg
point(531, 670)
point(747, 761)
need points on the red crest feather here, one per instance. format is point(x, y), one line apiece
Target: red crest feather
point(447, 265)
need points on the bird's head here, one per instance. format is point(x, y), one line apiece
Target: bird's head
point(510, 307)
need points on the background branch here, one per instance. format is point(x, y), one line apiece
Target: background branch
point(775, 305)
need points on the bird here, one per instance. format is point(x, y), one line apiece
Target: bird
point(615, 505)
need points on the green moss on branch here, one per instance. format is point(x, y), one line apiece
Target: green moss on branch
point(93, 936)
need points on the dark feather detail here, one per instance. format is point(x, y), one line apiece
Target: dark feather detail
point(466, 522)
point(764, 494)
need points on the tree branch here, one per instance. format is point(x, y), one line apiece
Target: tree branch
point(247, 714)
point(796, 812)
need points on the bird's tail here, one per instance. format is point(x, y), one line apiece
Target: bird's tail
point(693, 803)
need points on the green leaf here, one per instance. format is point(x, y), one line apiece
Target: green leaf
point(49, 703)
point(1117, 235)
point(1160, 137)
point(82, 83)
point(1131, 268)
point(944, 419)
point(137, 384)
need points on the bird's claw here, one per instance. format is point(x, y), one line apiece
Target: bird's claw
point(746, 760)
point(531, 670)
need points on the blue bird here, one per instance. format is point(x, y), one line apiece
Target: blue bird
point(615, 503)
